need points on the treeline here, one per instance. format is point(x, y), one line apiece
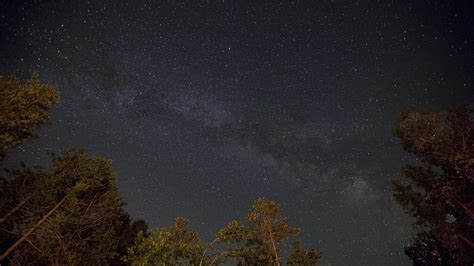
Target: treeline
point(72, 213)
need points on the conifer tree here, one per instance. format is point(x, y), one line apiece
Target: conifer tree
point(73, 216)
point(439, 193)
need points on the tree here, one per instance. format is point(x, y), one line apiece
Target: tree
point(73, 217)
point(269, 229)
point(129, 231)
point(261, 241)
point(258, 243)
point(300, 256)
point(23, 108)
point(440, 191)
point(176, 245)
point(69, 213)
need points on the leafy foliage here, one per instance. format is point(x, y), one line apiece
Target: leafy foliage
point(128, 233)
point(440, 192)
point(176, 245)
point(69, 213)
point(261, 241)
point(258, 243)
point(23, 108)
point(268, 229)
point(300, 256)
point(87, 226)
point(232, 233)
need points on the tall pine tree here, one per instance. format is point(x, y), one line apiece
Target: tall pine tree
point(439, 193)
point(73, 215)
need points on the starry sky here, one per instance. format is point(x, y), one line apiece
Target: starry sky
point(203, 106)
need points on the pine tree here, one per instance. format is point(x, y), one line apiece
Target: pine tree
point(440, 191)
point(72, 216)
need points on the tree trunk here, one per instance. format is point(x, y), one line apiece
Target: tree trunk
point(269, 226)
point(17, 207)
point(32, 229)
point(205, 250)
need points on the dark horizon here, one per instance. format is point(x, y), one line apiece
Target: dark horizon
point(204, 107)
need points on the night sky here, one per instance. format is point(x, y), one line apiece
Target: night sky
point(205, 106)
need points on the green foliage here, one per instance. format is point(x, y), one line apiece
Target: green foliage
point(232, 233)
point(440, 194)
point(85, 229)
point(89, 225)
point(23, 108)
point(176, 245)
point(268, 228)
point(260, 242)
point(302, 257)
point(128, 233)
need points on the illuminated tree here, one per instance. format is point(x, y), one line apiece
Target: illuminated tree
point(72, 215)
point(300, 256)
point(69, 213)
point(176, 245)
point(260, 242)
point(440, 191)
point(257, 243)
point(24, 107)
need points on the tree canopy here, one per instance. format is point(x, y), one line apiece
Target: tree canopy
point(439, 193)
point(256, 241)
point(68, 213)
point(24, 107)
point(87, 207)
point(176, 245)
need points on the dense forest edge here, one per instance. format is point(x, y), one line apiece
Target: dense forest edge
point(71, 212)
